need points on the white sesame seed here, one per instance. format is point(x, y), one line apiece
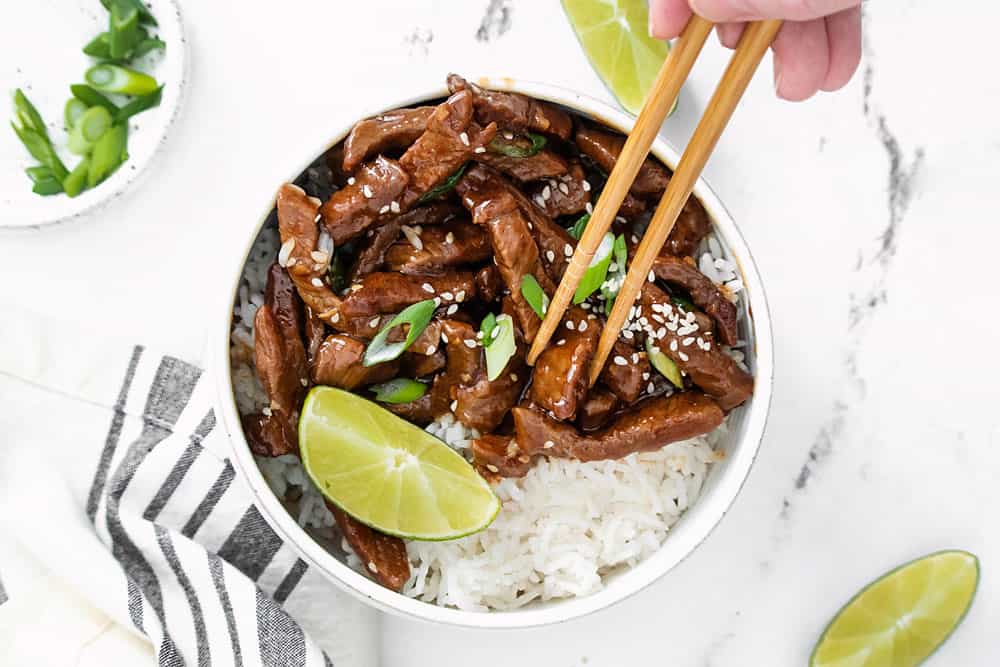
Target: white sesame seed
point(620, 360)
point(655, 349)
point(319, 256)
point(583, 325)
point(563, 188)
point(427, 287)
point(452, 309)
point(394, 206)
point(431, 349)
point(585, 306)
point(513, 377)
point(550, 255)
point(479, 335)
point(561, 341)
point(635, 357)
point(351, 180)
point(538, 200)
point(464, 136)
point(683, 356)
point(367, 191)
point(316, 282)
point(589, 208)
point(335, 318)
point(372, 567)
point(651, 277)
point(454, 405)
point(546, 193)
point(687, 341)
point(492, 468)
point(645, 376)
point(568, 250)
point(628, 334)
point(548, 444)
point(651, 387)
point(444, 338)
point(469, 343)
point(305, 382)
point(673, 346)
point(569, 325)
point(437, 301)
point(661, 332)
point(374, 322)
point(449, 237)
point(384, 210)
point(479, 149)
point(319, 216)
point(508, 135)
point(266, 411)
point(447, 296)
point(286, 251)
point(586, 186)
point(460, 295)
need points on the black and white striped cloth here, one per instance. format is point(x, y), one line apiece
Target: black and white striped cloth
point(115, 476)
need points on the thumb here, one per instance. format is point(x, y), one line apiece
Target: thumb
point(720, 11)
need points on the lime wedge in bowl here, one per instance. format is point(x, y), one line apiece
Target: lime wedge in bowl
point(904, 616)
point(388, 473)
point(615, 37)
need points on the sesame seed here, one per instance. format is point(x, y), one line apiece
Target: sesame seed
point(464, 136)
point(658, 319)
point(452, 309)
point(479, 149)
point(374, 322)
point(469, 343)
point(454, 405)
point(589, 207)
point(513, 377)
point(687, 341)
point(384, 210)
point(319, 216)
point(635, 357)
point(460, 295)
point(371, 566)
point(427, 287)
point(367, 191)
point(508, 135)
point(539, 200)
point(569, 325)
point(645, 376)
point(394, 206)
point(651, 387)
point(449, 237)
point(319, 256)
point(492, 468)
point(586, 186)
point(437, 301)
point(568, 250)
point(546, 193)
point(548, 444)
point(563, 188)
point(628, 334)
point(431, 349)
point(661, 332)
point(549, 255)
point(305, 382)
point(673, 346)
point(335, 318)
point(316, 282)
point(585, 306)
point(444, 338)
point(651, 277)
point(655, 349)
point(351, 180)
point(447, 296)
point(683, 356)
point(561, 341)
point(266, 411)
point(620, 360)
point(583, 325)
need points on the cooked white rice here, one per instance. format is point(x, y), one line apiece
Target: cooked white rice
point(563, 526)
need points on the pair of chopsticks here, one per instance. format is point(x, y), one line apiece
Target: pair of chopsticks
point(756, 39)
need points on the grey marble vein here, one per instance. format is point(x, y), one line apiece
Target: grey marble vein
point(496, 21)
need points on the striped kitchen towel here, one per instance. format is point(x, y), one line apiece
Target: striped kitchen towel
point(116, 477)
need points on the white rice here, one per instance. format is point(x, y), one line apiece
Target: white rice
point(563, 527)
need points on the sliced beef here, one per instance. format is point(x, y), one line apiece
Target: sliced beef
point(515, 111)
point(420, 411)
point(647, 427)
point(393, 129)
point(270, 435)
point(376, 191)
point(626, 372)
point(500, 455)
point(568, 194)
point(448, 143)
point(465, 361)
point(315, 332)
point(416, 363)
point(562, 371)
point(597, 409)
point(339, 364)
point(704, 293)
point(455, 243)
point(691, 227)
point(300, 235)
point(604, 149)
point(384, 556)
point(488, 283)
point(543, 164)
point(484, 403)
point(381, 293)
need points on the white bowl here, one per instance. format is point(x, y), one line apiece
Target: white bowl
point(724, 479)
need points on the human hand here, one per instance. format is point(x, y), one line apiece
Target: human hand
point(817, 48)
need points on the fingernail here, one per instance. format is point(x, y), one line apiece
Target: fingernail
point(777, 77)
point(651, 24)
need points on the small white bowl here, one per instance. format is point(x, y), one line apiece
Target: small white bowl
point(724, 479)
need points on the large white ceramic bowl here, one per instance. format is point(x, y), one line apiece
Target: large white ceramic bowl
point(724, 478)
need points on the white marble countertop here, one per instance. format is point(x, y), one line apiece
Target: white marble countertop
point(871, 214)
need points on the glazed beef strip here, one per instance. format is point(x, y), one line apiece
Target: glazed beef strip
point(647, 427)
point(543, 164)
point(691, 227)
point(315, 334)
point(297, 224)
point(381, 293)
point(515, 111)
point(500, 455)
point(420, 411)
point(488, 283)
point(339, 364)
point(463, 366)
point(455, 243)
point(568, 194)
point(376, 191)
point(560, 380)
point(371, 257)
point(384, 556)
point(597, 409)
point(451, 139)
point(704, 293)
point(711, 369)
point(393, 129)
point(270, 435)
point(626, 380)
point(514, 250)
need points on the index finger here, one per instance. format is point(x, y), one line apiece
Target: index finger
point(667, 18)
point(721, 11)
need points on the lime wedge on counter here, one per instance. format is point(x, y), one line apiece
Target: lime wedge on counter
point(902, 617)
point(388, 473)
point(615, 37)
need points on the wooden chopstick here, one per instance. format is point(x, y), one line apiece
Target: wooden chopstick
point(661, 97)
point(753, 45)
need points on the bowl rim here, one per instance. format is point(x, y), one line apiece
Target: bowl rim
point(706, 513)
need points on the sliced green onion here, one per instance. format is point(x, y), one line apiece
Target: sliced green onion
point(28, 114)
point(597, 271)
point(39, 173)
point(418, 316)
point(139, 104)
point(400, 390)
point(611, 286)
point(72, 111)
point(148, 45)
point(49, 185)
point(109, 153)
point(576, 231)
point(337, 273)
point(90, 127)
point(124, 29)
point(144, 14)
point(443, 188)
point(116, 79)
point(98, 47)
point(501, 348)
point(664, 364)
point(41, 150)
point(487, 327)
point(92, 98)
point(621, 254)
point(533, 294)
point(76, 182)
point(512, 149)
point(683, 302)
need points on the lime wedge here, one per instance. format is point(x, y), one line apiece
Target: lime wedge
point(388, 473)
point(902, 617)
point(615, 37)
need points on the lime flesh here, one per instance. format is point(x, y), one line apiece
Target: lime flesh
point(615, 37)
point(388, 473)
point(904, 616)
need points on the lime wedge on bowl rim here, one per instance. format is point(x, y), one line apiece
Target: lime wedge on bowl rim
point(615, 36)
point(902, 617)
point(388, 473)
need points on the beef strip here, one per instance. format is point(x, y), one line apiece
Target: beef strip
point(463, 367)
point(315, 333)
point(704, 293)
point(416, 363)
point(562, 371)
point(604, 148)
point(627, 381)
point(484, 403)
point(499, 454)
point(515, 253)
point(568, 194)
point(420, 411)
point(453, 244)
point(488, 283)
point(381, 293)
point(297, 225)
point(384, 556)
point(543, 164)
point(450, 141)
point(691, 227)
point(515, 111)
point(647, 427)
point(355, 207)
point(393, 129)
point(597, 409)
point(270, 435)
point(371, 257)
point(712, 370)
point(339, 364)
